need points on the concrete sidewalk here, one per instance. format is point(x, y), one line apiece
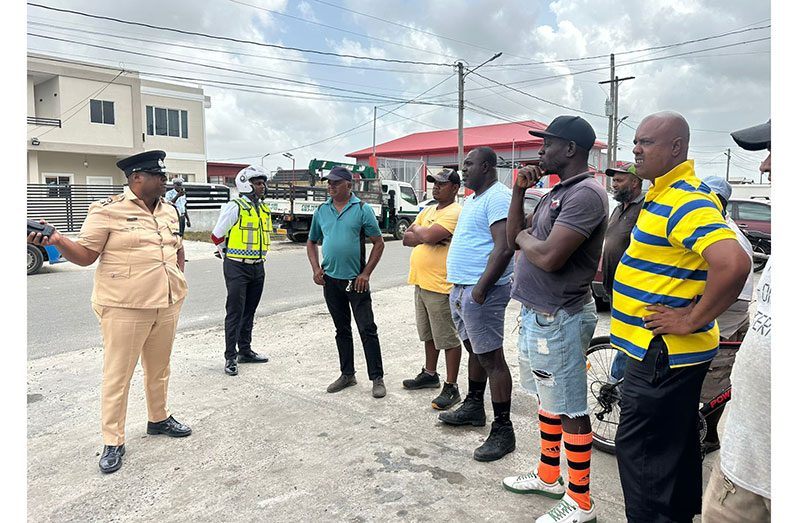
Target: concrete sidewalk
point(272, 445)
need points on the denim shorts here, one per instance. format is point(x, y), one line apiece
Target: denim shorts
point(551, 357)
point(482, 325)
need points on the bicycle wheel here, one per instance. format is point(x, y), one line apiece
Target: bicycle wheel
point(604, 393)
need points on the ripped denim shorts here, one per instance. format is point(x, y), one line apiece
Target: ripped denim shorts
point(551, 357)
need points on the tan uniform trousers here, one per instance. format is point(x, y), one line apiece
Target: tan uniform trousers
point(128, 333)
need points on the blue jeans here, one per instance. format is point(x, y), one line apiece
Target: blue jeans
point(551, 357)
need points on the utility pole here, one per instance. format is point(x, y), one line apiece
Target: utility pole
point(728, 159)
point(611, 110)
point(374, 134)
point(460, 104)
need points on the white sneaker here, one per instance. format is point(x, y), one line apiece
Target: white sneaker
point(568, 511)
point(532, 484)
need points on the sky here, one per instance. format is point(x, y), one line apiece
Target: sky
point(321, 104)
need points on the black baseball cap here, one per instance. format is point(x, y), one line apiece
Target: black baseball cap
point(338, 173)
point(148, 161)
point(570, 128)
point(753, 138)
point(446, 175)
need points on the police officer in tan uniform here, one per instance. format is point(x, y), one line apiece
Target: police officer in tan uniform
point(139, 288)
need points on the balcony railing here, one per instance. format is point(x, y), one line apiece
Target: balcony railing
point(35, 120)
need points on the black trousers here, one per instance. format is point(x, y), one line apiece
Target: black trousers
point(244, 283)
point(657, 444)
point(182, 224)
point(339, 300)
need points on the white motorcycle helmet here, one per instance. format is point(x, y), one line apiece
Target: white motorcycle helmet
point(246, 174)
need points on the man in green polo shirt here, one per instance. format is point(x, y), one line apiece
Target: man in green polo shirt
point(343, 222)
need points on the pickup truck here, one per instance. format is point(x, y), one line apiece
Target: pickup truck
point(394, 203)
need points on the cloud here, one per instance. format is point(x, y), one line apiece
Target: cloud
point(716, 90)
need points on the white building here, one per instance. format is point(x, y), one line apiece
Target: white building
point(83, 118)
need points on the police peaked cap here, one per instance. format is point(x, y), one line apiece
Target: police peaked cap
point(148, 161)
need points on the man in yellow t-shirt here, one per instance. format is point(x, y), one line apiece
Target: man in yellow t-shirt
point(430, 236)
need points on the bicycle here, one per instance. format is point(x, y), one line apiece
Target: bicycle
point(605, 387)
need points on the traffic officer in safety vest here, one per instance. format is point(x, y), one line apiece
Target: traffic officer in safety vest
point(242, 236)
point(139, 288)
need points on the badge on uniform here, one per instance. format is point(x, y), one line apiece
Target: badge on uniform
point(555, 204)
point(131, 218)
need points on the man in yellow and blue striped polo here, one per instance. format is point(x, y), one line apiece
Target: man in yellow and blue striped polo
point(682, 269)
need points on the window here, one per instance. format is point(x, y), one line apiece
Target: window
point(167, 122)
point(184, 124)
point(408, 194)
point(101, 111)
point(59, 185)
point(759, 212)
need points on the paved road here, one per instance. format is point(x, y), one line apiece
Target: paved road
point(60, 318)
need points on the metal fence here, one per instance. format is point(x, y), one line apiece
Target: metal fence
point(66, 206)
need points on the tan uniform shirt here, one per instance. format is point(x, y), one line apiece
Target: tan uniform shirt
point(138, 253)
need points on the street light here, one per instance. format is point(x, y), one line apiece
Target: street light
point(293, 160)
point(262, 157)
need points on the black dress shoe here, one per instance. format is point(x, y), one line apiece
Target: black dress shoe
point(252, 357)
point(231, 367)
point(111, 460)
point(170, 426)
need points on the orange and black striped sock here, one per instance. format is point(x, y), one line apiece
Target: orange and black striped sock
point(550, 436)
point(577, 452)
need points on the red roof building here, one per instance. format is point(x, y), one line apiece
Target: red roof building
point(224, 173)
point(511, 141)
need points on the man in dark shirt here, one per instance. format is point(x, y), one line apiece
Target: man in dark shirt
point(628, 190)
point(560, 246)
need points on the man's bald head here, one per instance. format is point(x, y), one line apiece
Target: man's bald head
point(661, 143)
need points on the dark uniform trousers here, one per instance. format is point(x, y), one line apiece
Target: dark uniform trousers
point(338, 302)
point(244, 283)
point(657, 444)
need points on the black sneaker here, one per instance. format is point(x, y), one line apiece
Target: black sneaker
point(471, 412)
point(423, 381)
point(500, 442)
point(450, 395)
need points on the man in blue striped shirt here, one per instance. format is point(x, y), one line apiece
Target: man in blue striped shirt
point(478, 264)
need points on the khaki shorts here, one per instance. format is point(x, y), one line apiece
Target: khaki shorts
point(724, 501)
point(434, 319)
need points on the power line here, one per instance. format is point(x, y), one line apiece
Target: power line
point(358, 126)
point(409, 27)
point(537, 97)
point(200, 64)
point(82, 104)
point(237, 40)
point(259, 69)
point(128, 36)
point(653, 48)
point(334, 28)
point(603, 68)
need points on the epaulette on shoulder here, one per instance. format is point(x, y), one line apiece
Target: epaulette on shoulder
point(112, 199)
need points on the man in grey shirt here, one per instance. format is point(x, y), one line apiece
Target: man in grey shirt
point(739, 489)
point(560, 247)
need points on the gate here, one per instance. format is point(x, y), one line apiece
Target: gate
point(66, 206)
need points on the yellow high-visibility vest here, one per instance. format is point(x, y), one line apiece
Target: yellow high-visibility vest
point(249, 237)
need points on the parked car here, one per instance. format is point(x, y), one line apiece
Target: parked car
point(37, 255)
point(750, 215)
point(427, 203)
point(531, 198)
